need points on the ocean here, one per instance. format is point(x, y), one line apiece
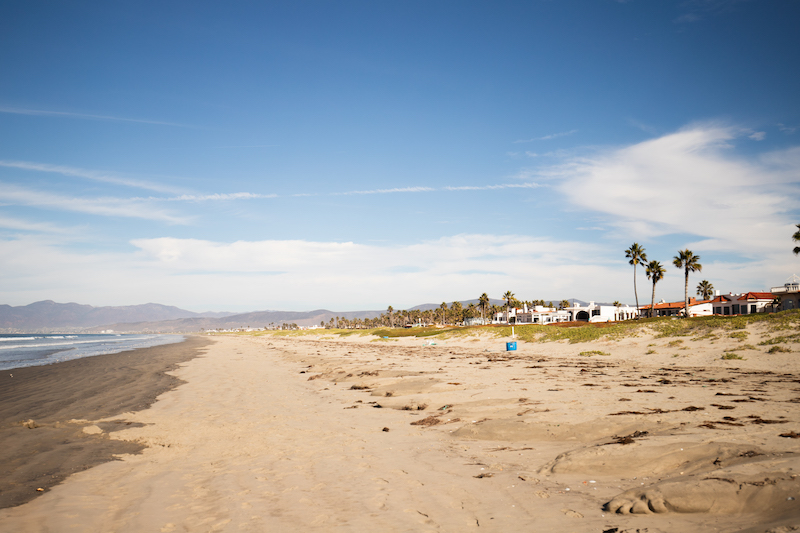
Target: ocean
point(20, 349)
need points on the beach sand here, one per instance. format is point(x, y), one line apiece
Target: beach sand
point(356, 433)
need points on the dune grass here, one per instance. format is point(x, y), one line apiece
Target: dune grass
point(699, 328)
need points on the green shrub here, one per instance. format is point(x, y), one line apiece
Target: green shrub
point(778, 349)
point(732, 356)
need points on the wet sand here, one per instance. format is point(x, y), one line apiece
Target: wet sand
point(363, 434)
point(46, 432)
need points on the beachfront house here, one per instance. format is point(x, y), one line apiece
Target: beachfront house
point(789, 294)
point(601, 312)
point(743, 304)
point(696, 308)
point(531, 315)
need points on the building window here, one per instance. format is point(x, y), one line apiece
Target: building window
point(727, 310)
point(718, 310)
point(753, 308)
point(735, 309)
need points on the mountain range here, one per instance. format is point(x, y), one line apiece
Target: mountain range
point(49, 316)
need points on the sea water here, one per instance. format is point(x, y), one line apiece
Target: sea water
point(20, 349)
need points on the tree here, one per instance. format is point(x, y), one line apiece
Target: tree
point(484, 303)
point(617, 305)
point(690, 263)
point(443, 307)
point(655, 273)
point(637, 256)
point(458, 311)
point(390, 310)
point(705, 289)
point(564, 304)
point(508, 296)
point(796, 238)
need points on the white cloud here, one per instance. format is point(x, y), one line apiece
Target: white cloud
point(385, 191)
point(690, 182)
point(216, 197)
point(547, 137)
point(88, 174)
point(24, 225)
point(66, 114)
point(758, 135)
point(303, 274)
point(116, 207)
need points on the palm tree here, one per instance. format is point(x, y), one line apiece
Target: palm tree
point(796, 238)
point(636, 255)
point(390, 310)
point(484, 303)
point(690, 263)
point(655, 273)
point(564, 304)
point(508, 296)
point(705, 289)
point(458, 312)
point(617, 305)
point(443, 307)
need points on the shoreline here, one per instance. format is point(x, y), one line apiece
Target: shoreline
point(60, 398)
point(370, 434)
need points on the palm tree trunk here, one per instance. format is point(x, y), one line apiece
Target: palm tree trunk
point(653, 302)
point(635, 293)
point(686, 294)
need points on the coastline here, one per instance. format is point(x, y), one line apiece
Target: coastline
point(327, 433)
point(61, 398)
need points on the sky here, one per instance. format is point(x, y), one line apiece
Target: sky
point(353, 155)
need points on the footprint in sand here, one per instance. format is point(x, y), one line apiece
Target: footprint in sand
point(542, 494)
point(571, 513)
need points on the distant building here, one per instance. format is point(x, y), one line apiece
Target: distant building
point(789, 294)
point(531, 315)
point(743, 304)
point(696, 308)
point(601, 313)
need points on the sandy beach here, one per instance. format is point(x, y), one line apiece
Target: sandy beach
point(361, 433)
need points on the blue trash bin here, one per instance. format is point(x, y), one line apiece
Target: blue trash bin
point(511, 346)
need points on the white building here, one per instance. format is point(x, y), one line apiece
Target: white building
point(743, 304)
point(533, 315)
point(601, 313)
point(696, 308)
point(789, 294)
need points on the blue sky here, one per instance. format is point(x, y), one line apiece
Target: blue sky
point(355, 155)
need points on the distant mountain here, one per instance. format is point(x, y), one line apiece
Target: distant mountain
point(255, 320)
point(48, 314)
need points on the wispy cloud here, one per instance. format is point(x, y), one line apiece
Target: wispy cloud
point(385, 191)
point(114, 207)
point(494, 187)
point(89, 174)
point(547, 137)
point(216, 197)
point(85, 116)
point(786, 129)
point(758, 135)
point(24, 225)
point(690, 182)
